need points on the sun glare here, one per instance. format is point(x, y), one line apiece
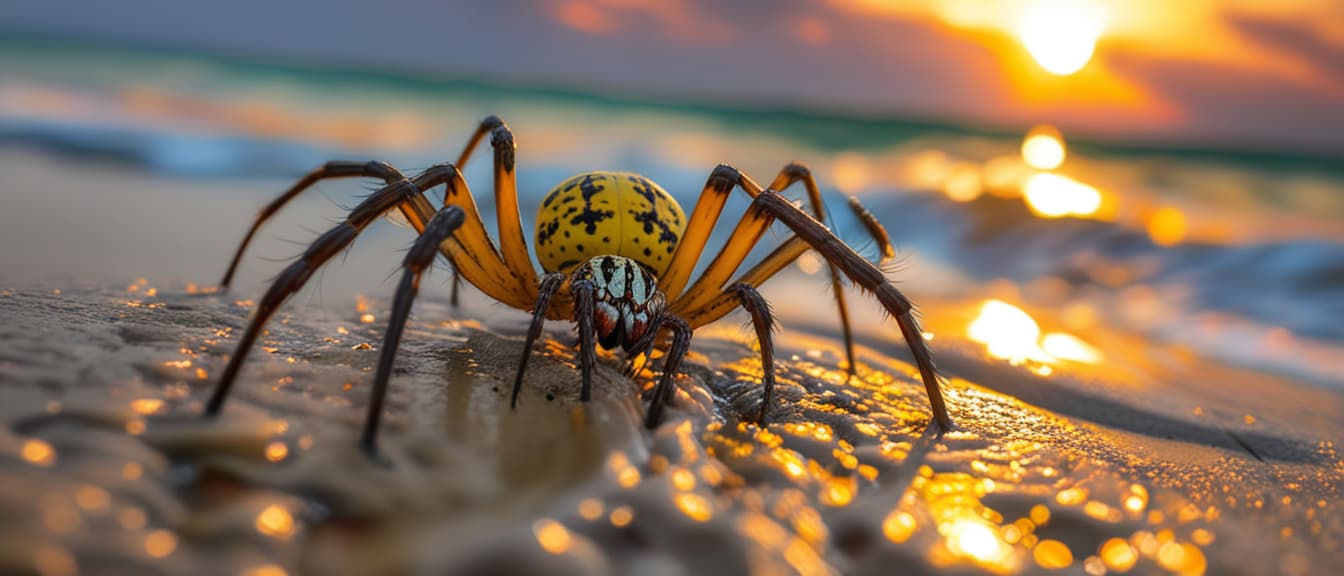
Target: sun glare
point(1055, 196)
point(1043, 148)
point(1061, 36)
point(1011, 333)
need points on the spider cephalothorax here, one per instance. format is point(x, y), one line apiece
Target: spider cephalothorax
point(627, 300)
point(617, 254)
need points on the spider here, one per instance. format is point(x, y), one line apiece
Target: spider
point(617, 253)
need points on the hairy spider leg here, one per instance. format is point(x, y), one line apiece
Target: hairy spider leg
point(700, 224)
point(744, 237)
point(662, 393)
point(742, 294)
point(584, 292)
point(779, 259)
point(471, 250)
point(418, 260)
point(763, 320)
point(809, 233)
point(330, 170)
point(706, 214)
point(297, 274)
point(870, 278)
point(747, 234)
point(512, 243)
point(550, 284)
point(795, 172)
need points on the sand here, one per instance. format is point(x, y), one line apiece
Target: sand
point(108, 466)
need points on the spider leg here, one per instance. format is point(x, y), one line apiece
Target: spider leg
point(779, 259)
point(764, 322)
point(744, 237)
point(702, 221)
point(512, 243)
point(293, 277)
point(699, 225)
point(662, 393)
point(330, 170)
point(868, 277)
point(470, 249)
point(796, 172)
point(550, 284)
point(418, 260)
point(485, 126)
point(333, 169)
point(727, 300)
point(584, 302)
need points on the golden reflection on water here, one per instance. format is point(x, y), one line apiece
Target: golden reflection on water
point(52, 560)
point(1010, 333)
point(91, 498)
point(970, 530)
point(694, 506)
point(266, 570)
point(276, 451)
point(552, 536)
point(38, 452)
point(1043, 148)
point(622, 516)
point(1166, 226)
point(1137, 500)
point(132, 518)
point(626, 474)
point(1007, 332)
point(1118, 555)
point(160, 543)
point(276, 521)
point(1070, 347)
point(591, 509)
point(147, 406)
point(964, 182)
point(1052, 195)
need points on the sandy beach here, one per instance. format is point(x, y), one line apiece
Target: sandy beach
point(111, 468)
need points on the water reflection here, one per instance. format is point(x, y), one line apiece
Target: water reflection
point(552, 536)
point(38, 452)
point(1043, 148)
point(276, 521)
point(1054, 196)
point(160, 543)
point(1010, 333)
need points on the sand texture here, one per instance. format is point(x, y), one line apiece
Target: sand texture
point(108, 468)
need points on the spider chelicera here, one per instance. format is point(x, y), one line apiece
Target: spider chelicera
point(617, 252)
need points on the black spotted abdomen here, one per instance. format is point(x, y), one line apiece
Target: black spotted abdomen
point(608, 214)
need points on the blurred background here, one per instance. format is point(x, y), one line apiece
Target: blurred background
point(1171, 171)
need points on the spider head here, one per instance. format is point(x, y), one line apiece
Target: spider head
point(626, 300)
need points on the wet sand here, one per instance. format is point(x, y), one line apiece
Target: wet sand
point(109, 467)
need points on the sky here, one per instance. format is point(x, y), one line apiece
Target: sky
point(1230, 73)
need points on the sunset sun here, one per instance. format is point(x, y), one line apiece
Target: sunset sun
point(1060, 37)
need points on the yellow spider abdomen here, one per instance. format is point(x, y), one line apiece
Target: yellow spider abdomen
point(608, 214)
